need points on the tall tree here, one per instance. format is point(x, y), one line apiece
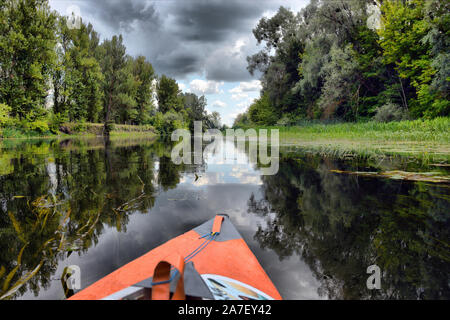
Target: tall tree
point(113, 61)
point(168, 95)
point(213, 120)
point(279, 58)
point(27, 55)
point(195, 107)
point(407, 38)
point(144, 75)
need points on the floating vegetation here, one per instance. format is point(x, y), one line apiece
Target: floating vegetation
point(440, 164)
point(434, 177)
point(48, 230)
point(425, 141)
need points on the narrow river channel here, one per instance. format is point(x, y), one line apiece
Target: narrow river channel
point(314, 231)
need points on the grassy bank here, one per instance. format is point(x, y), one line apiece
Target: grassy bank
point(77, 129)
point(426, 140)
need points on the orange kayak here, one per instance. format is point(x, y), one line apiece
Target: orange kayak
point(211, 261)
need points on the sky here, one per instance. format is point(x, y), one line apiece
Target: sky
point(203, 44)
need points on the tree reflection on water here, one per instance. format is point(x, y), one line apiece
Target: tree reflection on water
point(341, 224)
point(58, 197)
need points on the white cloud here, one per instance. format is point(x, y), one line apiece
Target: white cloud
point(245, 176)
point(218, 103)
point(248, 86)
point(210, 178)
point(239, 96)
point(202, 87)
point(244, 104)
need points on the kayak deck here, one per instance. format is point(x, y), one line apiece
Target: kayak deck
point(219, 265)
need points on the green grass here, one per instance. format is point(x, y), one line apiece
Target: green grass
point(426, 140)
point(412, 130)
point(78, 129)
point(20, 133)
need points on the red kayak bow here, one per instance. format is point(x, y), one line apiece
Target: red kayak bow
point(211, 261)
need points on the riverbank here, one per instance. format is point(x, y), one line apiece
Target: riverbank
point(425, 140)
point(71, 129)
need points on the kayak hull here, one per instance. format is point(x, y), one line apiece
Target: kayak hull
point(227, 256)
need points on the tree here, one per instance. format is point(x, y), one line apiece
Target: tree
point(113, 62)
point(341, 86)
point(27, 56)
point(437, 15)
point(82, 73)
point(195, 107)
point(61, 77)
point(125, 110)
point(88, 94)
point(279, 69)
point(213, 120)
point(241, 120)
point(144, 75)
point(261, 112)
point(404, 38)
point(168, 95)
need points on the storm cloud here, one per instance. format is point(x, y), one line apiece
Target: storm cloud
point(213, 21)
point(211, 38)
point(125, 15)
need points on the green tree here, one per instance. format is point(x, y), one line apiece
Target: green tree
point(113, 62)
point(403, 38)
point(85, 73)
point(279, 58)
point(27, 56)
point(213, 120)
point(261, 112)
point(144, 75)
point(241, 120)
point(195, 107)
point(61, 78)
point(340, 91)
point(168, 95)
point(125, 110)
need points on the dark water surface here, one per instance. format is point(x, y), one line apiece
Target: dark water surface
point(315, 232)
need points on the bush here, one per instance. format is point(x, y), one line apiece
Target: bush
point(261, 112)
point(40, 126)
point(56, 121)
point(390, 112)
point(168, 122)
point(4, 114)
point(284, 121)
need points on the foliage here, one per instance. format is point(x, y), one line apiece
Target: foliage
point(241, 120)
point(40, 126)
point(56, 120)
point(337, 60)
point(213, 120)
point(195, 107)
point(48, 66)
point(27, 56)
point(262, 112)
point(168, 94)
point(166, 123)
point(4, 114)
point(339, 225)
point(390, 112)
point(144, 75)
point(77, 77)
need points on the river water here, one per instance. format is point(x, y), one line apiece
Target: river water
point(315, 231)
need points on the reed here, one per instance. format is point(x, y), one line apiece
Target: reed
point(425, 140)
